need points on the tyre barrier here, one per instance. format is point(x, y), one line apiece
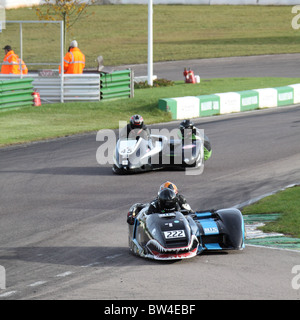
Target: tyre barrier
point(229, 102)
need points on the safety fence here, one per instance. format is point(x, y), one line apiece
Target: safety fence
point(79, 87)
point(82, 87)
point(118, 84)
point(85, 87)
point(16, 93)
point(228, 102)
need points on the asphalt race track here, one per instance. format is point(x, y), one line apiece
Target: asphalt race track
point(63, 229)
point(280, 65)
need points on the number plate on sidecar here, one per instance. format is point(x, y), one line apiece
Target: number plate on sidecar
point(174, 234)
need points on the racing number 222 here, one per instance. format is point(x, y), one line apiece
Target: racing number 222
point(174, 234)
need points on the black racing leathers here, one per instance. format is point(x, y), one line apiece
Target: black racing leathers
point(181, 205)
point(132, 133)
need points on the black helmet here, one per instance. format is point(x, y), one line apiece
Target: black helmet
point(167, 199)
point(187, 128)
point(136, 121)
point(186, 124)
point(168, 184)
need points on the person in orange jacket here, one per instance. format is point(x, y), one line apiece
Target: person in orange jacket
point(74, 60)
point(11, 62)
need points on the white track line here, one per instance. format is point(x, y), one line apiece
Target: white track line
point(38, 283)
point(7, 294)
point(273, 248)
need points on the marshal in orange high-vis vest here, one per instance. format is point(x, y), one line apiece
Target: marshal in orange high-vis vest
point(74, 60)
point(10, 62)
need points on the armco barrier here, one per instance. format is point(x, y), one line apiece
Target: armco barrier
point(80, 87)
point(16, 93)
point(76, 87)
point(228, 102)
point(118, 84)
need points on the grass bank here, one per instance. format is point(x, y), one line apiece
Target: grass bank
point(57, 120)
point(287, 203)
point(120, 33)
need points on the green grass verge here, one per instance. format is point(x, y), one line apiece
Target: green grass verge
point(57, 120)
point(120, 33)
point(287, 203)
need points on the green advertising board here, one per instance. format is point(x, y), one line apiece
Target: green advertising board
point(285, 96)
point(249, 100)
point(209, 105)
point(168, 105)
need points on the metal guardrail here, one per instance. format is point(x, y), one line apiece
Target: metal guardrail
point(118, 84)
point(76, 87)
point(79, 87)
point(16, 93)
